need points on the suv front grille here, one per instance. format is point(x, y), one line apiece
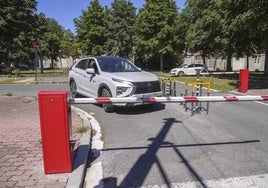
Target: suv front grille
point(147, 87)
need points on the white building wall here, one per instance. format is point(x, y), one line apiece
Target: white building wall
point(219, 64)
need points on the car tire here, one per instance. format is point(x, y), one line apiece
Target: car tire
point(107, 107)
point(73, 89)
point(180, 74)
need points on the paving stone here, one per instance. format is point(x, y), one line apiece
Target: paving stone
point(21, 158)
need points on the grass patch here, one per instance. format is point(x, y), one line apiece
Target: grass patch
point(20, 75)
point(10, 80)
point(46, 73)
point(82, 129)
point(9, 94)
point(222, 83)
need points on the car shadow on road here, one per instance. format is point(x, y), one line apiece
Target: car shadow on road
point(142, 167)
point(140, 109)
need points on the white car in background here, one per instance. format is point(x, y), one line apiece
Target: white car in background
point(190, 69)
point(109, 76)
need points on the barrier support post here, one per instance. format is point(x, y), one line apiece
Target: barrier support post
point(55, 122)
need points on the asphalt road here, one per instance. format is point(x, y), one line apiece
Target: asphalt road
point(168, 146)
point(165, 145)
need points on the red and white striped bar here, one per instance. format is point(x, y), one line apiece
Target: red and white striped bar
point(228, 98)
point(210, 73)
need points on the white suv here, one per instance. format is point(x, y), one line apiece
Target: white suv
point(108, 76)
point(190, 69)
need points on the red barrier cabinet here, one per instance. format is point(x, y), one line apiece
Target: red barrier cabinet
point(55, 131)
point(243, 80)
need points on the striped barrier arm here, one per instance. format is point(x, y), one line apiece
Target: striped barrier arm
point(228, 98)
point(210, 73)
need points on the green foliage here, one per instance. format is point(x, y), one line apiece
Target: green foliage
point(17, 19)
point(82, 129)
point(9, 94)
point(156, 30)
point(157, 36)
point(51, 40)
point(235, 28)
point(91, 28)
point(69, 45)
point(121, 18)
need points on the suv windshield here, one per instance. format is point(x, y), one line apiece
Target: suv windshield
point(116, 64)
point(182, 65)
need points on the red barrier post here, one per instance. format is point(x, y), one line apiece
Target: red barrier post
point(55, 121)
point(243, 80)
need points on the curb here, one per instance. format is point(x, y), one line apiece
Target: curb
point(48, 82)
point(76, 178)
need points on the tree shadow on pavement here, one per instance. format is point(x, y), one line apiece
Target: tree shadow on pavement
point(141, 168)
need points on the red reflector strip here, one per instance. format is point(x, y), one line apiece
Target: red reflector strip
point(103, 100)
point(151, 100)
point(190, 99)
point(265, 97)
point(231, 98)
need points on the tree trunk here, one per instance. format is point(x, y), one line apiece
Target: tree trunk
point(52, 62)
point(204, 59)
point(229, 62)
point(247, 62)
point(161, 62)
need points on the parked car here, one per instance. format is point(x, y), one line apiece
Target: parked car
point(108, 76)
point(5, 69)
point(188, 69)
point(22, 66)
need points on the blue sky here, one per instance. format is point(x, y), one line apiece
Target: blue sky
point(64, 11)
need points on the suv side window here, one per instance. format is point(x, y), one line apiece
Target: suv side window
point(82, 64)
point(92, 64)
point(198, 65)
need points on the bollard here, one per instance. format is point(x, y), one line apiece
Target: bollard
point(243, 80)
point(55, 122)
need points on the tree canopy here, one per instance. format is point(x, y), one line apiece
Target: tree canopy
point(158, 34)
point(91, 29)
point(155, 30)
point(121, 18)
point(17, 20)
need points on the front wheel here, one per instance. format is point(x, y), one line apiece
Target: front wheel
point(180, 74)
point(203, 71)
point(73, 89)
point(107, 107)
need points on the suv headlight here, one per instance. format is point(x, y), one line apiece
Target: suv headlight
point(123, 87)
point(122, 81)
point(121, 90)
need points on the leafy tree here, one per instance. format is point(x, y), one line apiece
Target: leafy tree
point(155, 30)
point(51, 40)
point(203, 27)
point(69, 45)
point(17, 19)
point(90, 28)
point(120, 33)
point(259, 26)
point(39, 33)
point(236, 28)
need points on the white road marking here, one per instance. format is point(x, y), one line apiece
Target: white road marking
point(254, 181)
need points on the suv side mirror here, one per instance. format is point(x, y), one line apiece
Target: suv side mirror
point(90, 71)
